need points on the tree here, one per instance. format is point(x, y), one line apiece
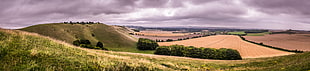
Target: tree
point(76, 42)
point(99, 44)
point(84, 41)
point(146, 44)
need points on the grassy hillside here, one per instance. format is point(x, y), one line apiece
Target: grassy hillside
point(28, 51)
point(112, 39)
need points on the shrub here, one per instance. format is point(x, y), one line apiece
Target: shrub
point(169, 40)
point(146, 44)
point(86, 44)
point(99, 44)
point(164, 50)
point(205, 53)
point(84, 41)
point(76, 42)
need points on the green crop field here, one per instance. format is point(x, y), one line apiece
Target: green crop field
point(237, 33)
point(111, 39)
point(257, 34)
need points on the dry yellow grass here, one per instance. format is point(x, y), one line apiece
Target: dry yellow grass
point(246, 50)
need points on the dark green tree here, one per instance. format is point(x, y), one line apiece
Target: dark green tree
point(99, 44)
point(146, 44)
point(76, 42)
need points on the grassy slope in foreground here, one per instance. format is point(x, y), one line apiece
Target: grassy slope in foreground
point(112, 39)
point(27, 51)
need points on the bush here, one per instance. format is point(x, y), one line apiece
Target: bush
point(146, 44)
point(164, 50)
point(76, 42)
point(169, 40)
point(99, 44)
point(86, 44)
point(205, 53)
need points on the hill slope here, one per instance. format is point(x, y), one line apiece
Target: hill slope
point(110, 36)
point(28, 51)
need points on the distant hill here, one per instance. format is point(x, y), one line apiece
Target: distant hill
point(113, 37)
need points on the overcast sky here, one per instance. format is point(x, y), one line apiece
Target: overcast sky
point(260, 14)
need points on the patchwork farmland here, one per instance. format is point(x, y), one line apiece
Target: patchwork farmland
point(247, 50)
point(285, 41)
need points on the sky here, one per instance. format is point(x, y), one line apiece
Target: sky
point(244, 14)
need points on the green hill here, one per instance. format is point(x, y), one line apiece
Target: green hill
point(28, 51)
point(115, 39)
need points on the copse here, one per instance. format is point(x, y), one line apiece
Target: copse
point(204, 53)
point(87, 44)
point(146, 44)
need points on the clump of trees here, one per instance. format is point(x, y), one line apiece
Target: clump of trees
point(204, 53)
point(146, 44)
point(87, 44)
point(81, 22)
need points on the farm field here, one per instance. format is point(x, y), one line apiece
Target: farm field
point(246, 50)
point(286, 41)
point(160, 33)
point(166, 37)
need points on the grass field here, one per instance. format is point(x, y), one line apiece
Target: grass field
point(29, 51)
point(246, 50)
point(237, 33)
point(110, 36)
point(258, 34)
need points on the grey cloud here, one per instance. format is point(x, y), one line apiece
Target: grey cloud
point(22, 13)
point(298, 7)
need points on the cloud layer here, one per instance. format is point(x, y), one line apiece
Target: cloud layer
point(260, 14)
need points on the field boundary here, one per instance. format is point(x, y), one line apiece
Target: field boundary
point(277, 48)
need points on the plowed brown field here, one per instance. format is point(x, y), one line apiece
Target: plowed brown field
point(286, 41)
point(246, 50)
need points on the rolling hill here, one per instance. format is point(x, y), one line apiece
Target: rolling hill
point(114, 38)
point(30, 51)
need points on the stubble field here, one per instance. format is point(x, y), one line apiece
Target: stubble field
point(286, 41)
point(246, 50)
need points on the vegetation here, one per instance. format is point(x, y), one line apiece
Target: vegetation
point(113, 40)
point(262, 44)
point(81, 22)
point(24, 51)
point(258, 34)
point(146, 44)
point(237, 33)
point(87, 44)
point(205, 53)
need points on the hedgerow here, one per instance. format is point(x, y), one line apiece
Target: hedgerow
point(146, 44)
point(204, 53)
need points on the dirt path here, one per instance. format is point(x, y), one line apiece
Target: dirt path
point(246, 50)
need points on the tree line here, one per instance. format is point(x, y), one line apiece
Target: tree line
point(204, 53)
point(70, 22)
point(87, 44)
